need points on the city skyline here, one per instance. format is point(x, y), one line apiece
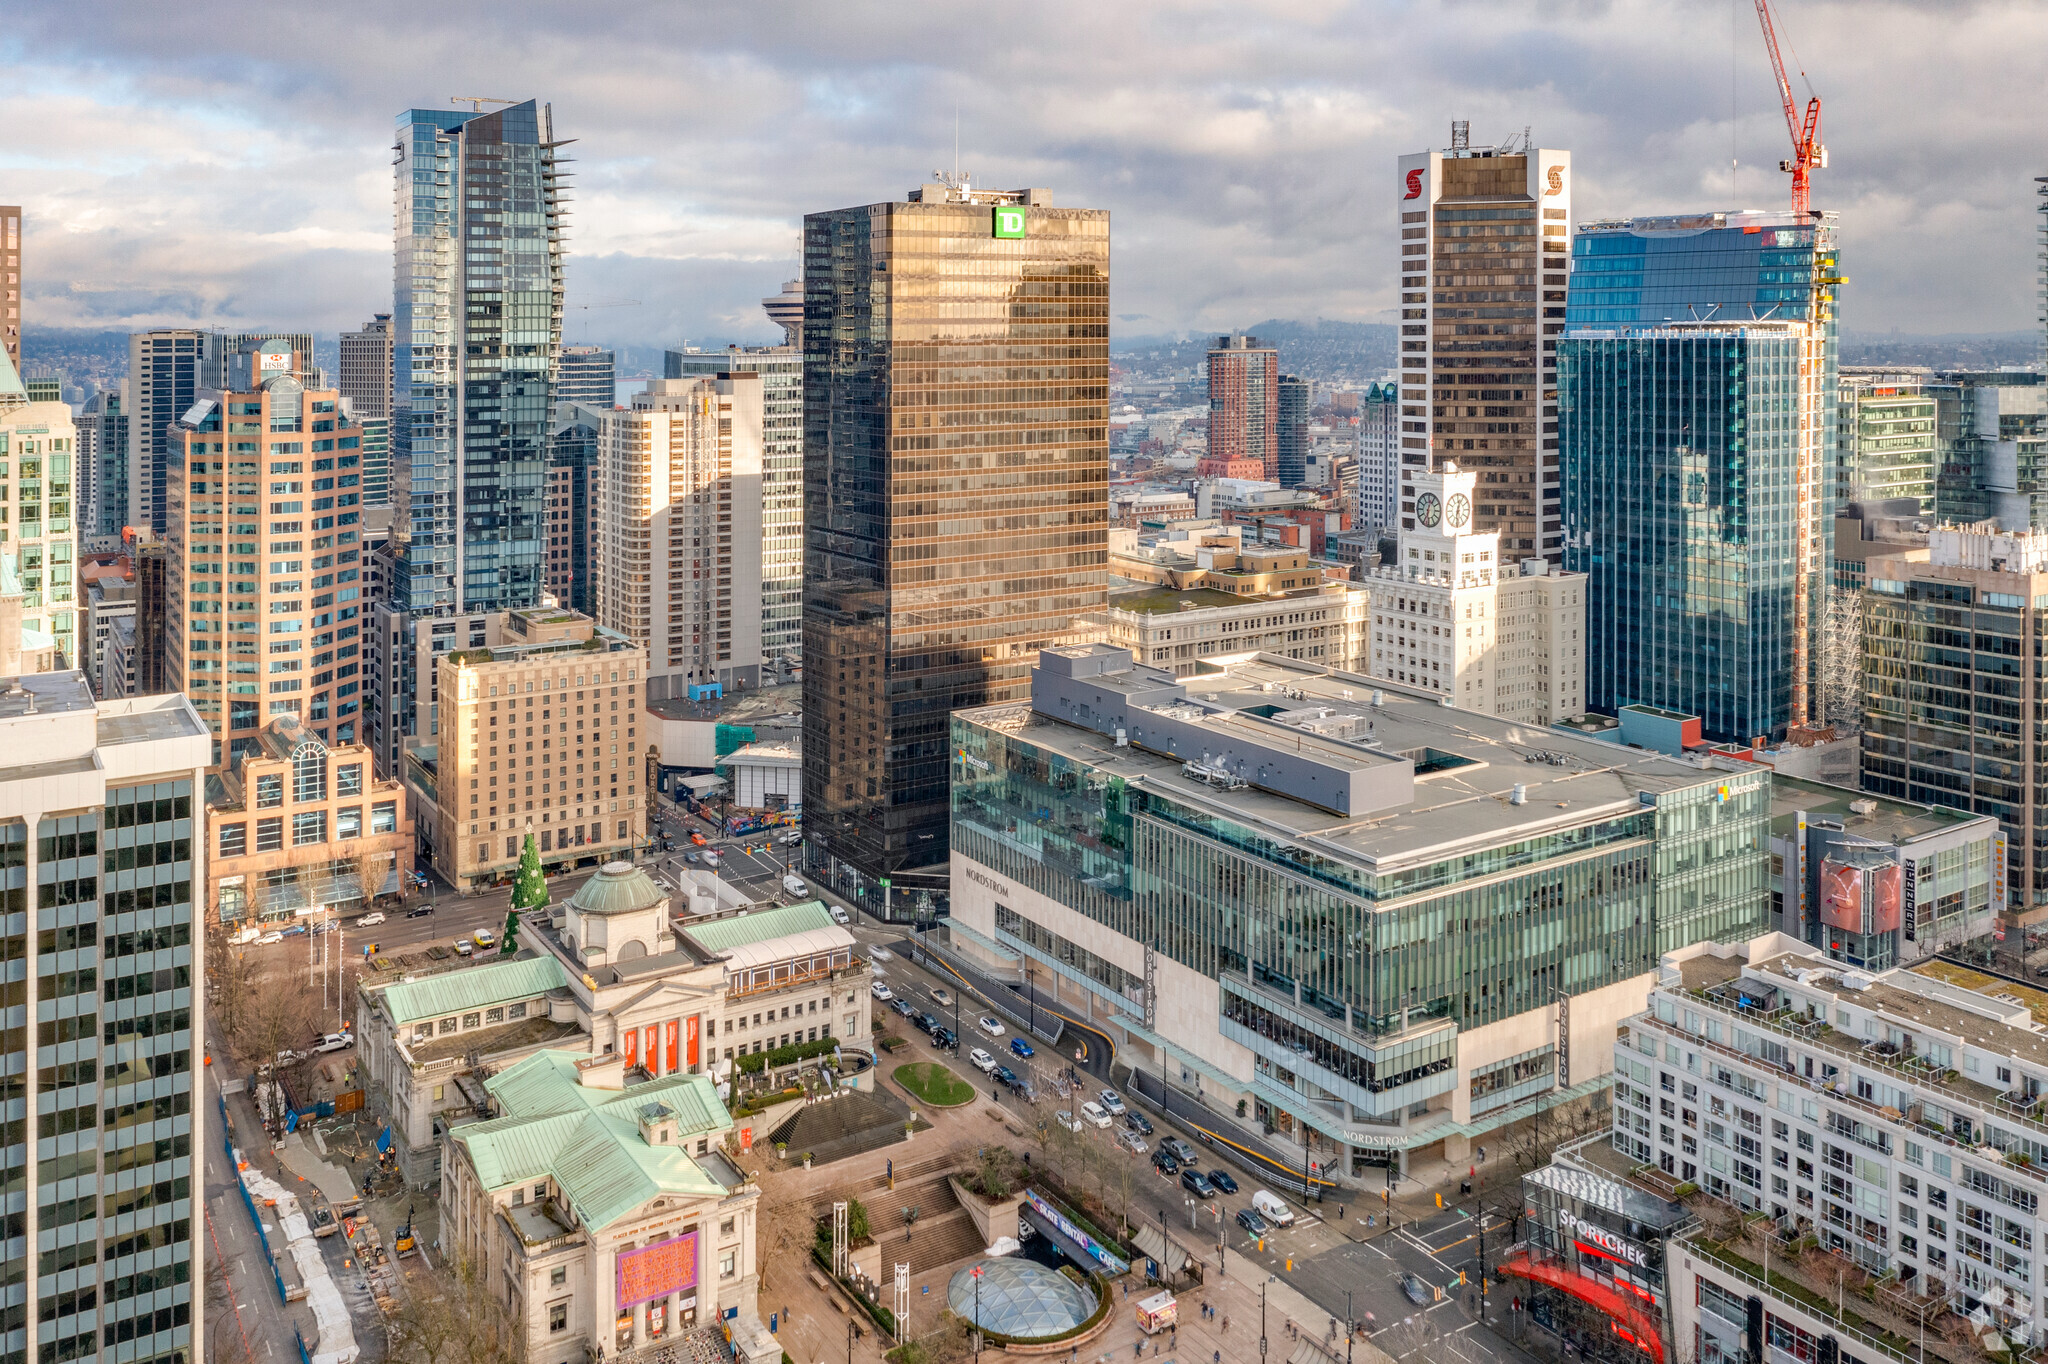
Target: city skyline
point(1245, 155)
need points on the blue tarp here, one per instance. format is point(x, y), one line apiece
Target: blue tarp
point(384, 1141)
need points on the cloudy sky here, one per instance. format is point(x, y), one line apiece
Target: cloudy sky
point(230, 163)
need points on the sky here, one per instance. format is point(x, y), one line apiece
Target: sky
point(227, 164)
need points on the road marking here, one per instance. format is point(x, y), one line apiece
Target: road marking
point(1438, 1250)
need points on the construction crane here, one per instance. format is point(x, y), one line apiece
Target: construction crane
point(477, 102)
point(1808, 154)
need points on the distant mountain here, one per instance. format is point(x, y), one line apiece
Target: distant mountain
point(1957, 350)
point(1322, 349)
point(92, 358)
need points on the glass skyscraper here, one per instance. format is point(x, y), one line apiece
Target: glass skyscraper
point(1697, 417)
point(476, 326)
point(956, 497)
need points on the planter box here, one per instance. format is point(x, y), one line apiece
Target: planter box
point(990, 1219)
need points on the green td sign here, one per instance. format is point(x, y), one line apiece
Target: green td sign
point(1009, 220)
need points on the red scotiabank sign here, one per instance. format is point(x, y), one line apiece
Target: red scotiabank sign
point(1414, 184)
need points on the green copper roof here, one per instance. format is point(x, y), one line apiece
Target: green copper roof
point(617, 888)
point(588, 1140)
point(12, 392)
point(479, 987)
point(722, 935)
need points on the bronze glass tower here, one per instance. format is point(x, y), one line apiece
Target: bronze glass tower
point(956, 514)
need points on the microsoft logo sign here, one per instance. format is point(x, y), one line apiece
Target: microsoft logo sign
point(1009, 221)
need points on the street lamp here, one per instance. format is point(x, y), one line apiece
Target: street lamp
point(976, 1272)
point(1262, 1316)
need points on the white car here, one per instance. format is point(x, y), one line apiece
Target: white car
point(881, 954)
point(463, 947)
point(710, 858)
point(274, 935)
point(983, 1062)
point(370, 920)
point(1091, 1112)
point(839, 916)
point(335, 1041)
point(881, 991)
point(792, 838)
point(990, 1026)
point(1067, 1120)
point(794, 884)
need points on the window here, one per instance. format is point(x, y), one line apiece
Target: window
point(348, 779)
point(348, 822)
point(726, 1225)
point(384, 818)
point(729, 1265)
point(234, 840)
point(309, 826)
point(558, 1312)
point(270, 834)
point(269, 790)
point(309, 772)
point(471, 1020)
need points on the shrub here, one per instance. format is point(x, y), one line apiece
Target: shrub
point(784, 1056)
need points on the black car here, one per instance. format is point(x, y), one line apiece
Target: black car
point(1006, 1075)
point(1251, 1222)
point(1415, 1290)
point(1137, 1122)
point(1222, 1180)
point(1197, 1183)
point(1163, 1161)
point(926, 1023)
point(944, 1038)
point(422, 912)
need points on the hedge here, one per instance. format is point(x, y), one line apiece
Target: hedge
point(783, 1056)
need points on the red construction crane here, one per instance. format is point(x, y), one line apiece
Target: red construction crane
point(1807, 152)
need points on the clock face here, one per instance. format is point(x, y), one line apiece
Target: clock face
point(1458, 510)
point(1428, 510)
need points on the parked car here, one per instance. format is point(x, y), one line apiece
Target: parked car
point(1414, 1289)
point(982, 1061)
point(370, 920)
point(1067, 1120)
point(945, 1039)
point(1222, 1180)
point(990, 1025)
point(1197, 1183)
point(272, 936)
point(903, 1006)
point(462, 947)
point(1112, 1101)
point(926, 1024)
point(839, 916)
point(1137, 1122)
point(880, 990)
point(1093, 1114)
point(483, 937)
point(422, 912)
point(1005, 1075)
point(1251, 1221)
point(1163, 1161)
point(1019, 1047)
point(335, 1041)
point(295, 931)
point(1132, 1142)
point(1182, 1152)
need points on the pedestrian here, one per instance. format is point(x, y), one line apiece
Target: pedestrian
point(1226, 1324)
point(1217, 1356)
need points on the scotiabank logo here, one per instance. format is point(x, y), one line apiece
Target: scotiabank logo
point(1556, 181)
point(1414, 185)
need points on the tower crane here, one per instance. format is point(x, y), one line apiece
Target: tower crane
point(1808, 154)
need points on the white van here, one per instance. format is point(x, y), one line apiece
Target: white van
point(794, 884)
point(1272, 1209)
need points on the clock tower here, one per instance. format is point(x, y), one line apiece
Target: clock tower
point(1443, 533)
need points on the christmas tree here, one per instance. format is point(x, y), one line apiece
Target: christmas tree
point(529, 891)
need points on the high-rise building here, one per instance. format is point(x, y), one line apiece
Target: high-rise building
point(1244, 409)
point(1483, 269)
point(1378, 501)
point(1453, 615)
point(782, 479)
point(786, 310)
point(1179, 856)
point(1886, 447)
point(681, 474)
point(572, 463)
point(376, 458)
point(587, 375)
point(1991, 435)
point(1957, 727)
point(476, 322)
point(264, 599)
point(956, 513)
point(1291, 431)
point(10, 283)
point(107, 1122)
point(366, 368)
point(167, 370)
point(1698, 406)
point(38, 463)
point(581, 801)
point(44, 389)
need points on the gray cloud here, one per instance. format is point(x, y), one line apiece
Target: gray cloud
point(223, 163)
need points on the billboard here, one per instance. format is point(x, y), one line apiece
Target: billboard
point(656, 1271)
point(1841, 896)
point(1887, 896)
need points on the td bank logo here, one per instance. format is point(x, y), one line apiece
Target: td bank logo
point(1009, 221)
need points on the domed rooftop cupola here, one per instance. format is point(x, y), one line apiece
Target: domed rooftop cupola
point(617, 915)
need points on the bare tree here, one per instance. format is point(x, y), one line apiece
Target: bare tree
point(1530, 1142)
point(230, 981)
point(463, 1323)
point(278, 1016)
point(220, 1307)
